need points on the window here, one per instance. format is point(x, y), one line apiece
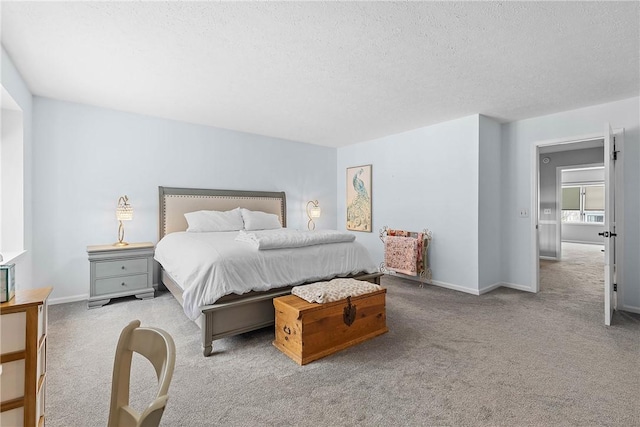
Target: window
point(583, 204)
point(11, 178)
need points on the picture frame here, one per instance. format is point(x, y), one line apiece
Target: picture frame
point(359, 188)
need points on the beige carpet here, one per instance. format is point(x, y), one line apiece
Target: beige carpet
point(577, 280)
point(506, 358)
point(580, 266)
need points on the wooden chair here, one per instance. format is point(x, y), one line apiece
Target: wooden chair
point(158, 347)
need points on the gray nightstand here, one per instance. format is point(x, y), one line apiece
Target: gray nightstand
point(119, 271)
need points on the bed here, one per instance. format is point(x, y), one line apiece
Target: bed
point(230, 314)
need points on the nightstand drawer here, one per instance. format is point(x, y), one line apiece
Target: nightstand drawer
point(123, 267)
point(121, 284)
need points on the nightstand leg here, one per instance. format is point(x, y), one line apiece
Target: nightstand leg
point(146, 295)
point(98, 303)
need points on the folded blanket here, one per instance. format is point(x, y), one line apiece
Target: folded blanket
point(287, 238)
point(421, 247)
point(401, 254)
point(334, 290)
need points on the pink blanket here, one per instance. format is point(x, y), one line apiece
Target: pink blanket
point(400, 254)
point(419, 260)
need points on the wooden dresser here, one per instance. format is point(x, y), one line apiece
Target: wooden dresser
point(23, 348)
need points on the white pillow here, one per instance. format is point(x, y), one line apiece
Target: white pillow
point(256, 220)
point(203, 221)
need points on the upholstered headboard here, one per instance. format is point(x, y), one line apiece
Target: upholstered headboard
point(175, 202)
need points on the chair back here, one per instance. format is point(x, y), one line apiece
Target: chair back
point(157, 347)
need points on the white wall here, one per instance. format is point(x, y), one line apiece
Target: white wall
point(86, 157)
point(425, 178)
point(489, 205)
point(582, 233)
point(13, 83)
point(518, 138)
point(588, 175)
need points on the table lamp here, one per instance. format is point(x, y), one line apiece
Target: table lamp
point(124, 212)
point(313, 211)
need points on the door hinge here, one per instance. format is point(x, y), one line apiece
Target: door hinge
point(615, 287)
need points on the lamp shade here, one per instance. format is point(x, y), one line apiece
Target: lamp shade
point(124, 211)
point(315, 211)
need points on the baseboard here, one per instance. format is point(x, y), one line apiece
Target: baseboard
point(437, 283)
point(549, 258)
point(85, 297)
point(64, 300)
point(504, 285)
point(489, 288)
point(630, 308)
point(583, 242)
point(455, 287)
point(392, 273)
point(481, 291)
point(516, 287)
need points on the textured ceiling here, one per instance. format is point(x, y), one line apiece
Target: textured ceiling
point(329, 73)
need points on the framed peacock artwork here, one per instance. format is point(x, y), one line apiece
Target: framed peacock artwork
point(359, 198)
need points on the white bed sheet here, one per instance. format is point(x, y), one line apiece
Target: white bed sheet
point(210, 265)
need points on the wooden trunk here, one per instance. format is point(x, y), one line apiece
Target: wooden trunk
point(308, 331)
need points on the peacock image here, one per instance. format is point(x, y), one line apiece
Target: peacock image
point(359, 210)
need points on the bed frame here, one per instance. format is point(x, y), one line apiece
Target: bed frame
point(231, 314)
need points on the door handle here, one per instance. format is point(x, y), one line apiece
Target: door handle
point(607, 234)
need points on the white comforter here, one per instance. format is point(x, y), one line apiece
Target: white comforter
point(210, 265)
point(288, 238)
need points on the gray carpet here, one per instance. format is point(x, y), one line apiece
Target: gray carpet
point(507, 358)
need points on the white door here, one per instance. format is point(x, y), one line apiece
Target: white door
point(609, 224)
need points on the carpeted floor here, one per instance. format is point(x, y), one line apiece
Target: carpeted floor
point(575, 282)
point(506, 358)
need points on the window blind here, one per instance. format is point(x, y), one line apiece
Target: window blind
point(571, 199)
point(594, 198)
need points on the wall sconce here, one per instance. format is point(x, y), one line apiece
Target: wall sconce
point(313, 211)
point(124, 212)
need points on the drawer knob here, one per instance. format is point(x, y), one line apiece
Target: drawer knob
point(123, 284)
point(123, 267)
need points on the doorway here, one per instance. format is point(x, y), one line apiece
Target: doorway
point(549, 158)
